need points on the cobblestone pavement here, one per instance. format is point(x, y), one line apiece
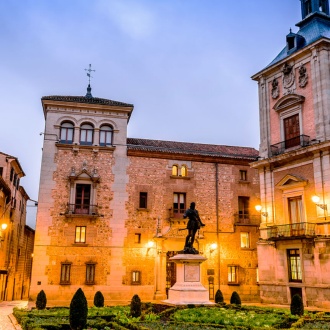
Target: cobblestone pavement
point(7, 321)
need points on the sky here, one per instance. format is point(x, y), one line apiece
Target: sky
point(186, 65)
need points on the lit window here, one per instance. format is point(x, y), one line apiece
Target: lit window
point(179, 203)
point(175, 170)
point(65, 273)
point(143, 200)
point(90, 273)
point(232, 274)
point(184, 171)
point(294, 266)
point(245, 240)
point(243, 175)
point(137, 238)
point(80, 234)
point(106, 135)
point(136, 277)
point(66, 134)
point(86, 134)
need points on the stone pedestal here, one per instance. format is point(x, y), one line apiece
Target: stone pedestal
point(188, 288)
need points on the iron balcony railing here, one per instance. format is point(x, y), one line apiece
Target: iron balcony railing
point(291, 230)
point(281, 147)
point(247, 219)
point(82, 209)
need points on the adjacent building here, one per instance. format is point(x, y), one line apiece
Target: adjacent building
point(294, 165)
point(110, 211)
point(16, 238)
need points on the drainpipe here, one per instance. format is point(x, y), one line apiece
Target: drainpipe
point(217, 217)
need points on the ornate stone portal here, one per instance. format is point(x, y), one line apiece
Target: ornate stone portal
point(188, 288)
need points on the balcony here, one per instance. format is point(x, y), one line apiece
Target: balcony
point(281, 147)
point(247, 219)
point(289, 231)
point(79, 210)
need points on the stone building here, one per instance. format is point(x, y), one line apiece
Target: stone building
point(16, 238)
point(110, 211)
point(294, 101)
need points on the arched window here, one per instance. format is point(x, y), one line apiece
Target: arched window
point(184, 171)
point(86, 134)
point(106, 135)
point(66, 134)
point(175, 170)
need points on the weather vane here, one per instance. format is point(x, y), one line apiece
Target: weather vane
point(89, 70)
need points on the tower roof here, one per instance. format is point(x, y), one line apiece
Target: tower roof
point(315, 25)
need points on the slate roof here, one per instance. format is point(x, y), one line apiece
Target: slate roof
point(189, 148)
point(84, 99)
point(312, 28)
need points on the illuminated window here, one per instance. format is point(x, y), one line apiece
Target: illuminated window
point(66, 132)
point(105, 135)
point(86, 134)
point(184, 171)
point(179, 203)
point(175, 170)
point(233, 274)
point(143, 200)
point(245, 240)
point(65, 273)
point(294, 266)
point(136, 277)
point(90, 273)
point(80, 234)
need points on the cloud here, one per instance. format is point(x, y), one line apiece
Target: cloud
point(134, 19)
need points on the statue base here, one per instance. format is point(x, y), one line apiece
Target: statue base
point(188, 288)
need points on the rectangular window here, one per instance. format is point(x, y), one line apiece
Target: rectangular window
point(83, 195)
point(137, 238)
point(143, 200)
point(243, 175)
point(11, 174)
point(1, 171)
point(136, 277)
point(90, 273)
point(80, 234)
point(296, 213)
point(245, 240)
point(294, 266)
point(65, 273)
point(243, 207)
point(232, 274)
point(179, 203)
point(291, 131)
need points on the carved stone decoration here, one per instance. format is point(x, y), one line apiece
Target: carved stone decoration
point(303, 76)
point(288, 79)
point(84, 165)
point(275, 89)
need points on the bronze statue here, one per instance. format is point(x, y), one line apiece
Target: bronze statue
point(193, 225)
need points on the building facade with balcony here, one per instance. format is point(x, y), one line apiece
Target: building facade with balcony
point(110, 211)
point(16, 238)
point(294, 164)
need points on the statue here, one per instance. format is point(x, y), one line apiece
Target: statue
point(193, 225)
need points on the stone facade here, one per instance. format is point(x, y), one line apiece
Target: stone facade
point(108, 219)
point(16, 238)
point(294, 166)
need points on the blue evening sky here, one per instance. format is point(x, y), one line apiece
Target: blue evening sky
point(184, 64)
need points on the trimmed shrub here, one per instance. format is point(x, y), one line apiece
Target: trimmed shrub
point(297, 306)
point(218, 297)
point(41, 301)
point(98, 299)
point(235, 298)
point(78, 311)
point(136, 306)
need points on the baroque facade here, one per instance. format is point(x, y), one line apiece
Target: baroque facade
point(110, 211)
point(294, 168)
point(16, 238)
